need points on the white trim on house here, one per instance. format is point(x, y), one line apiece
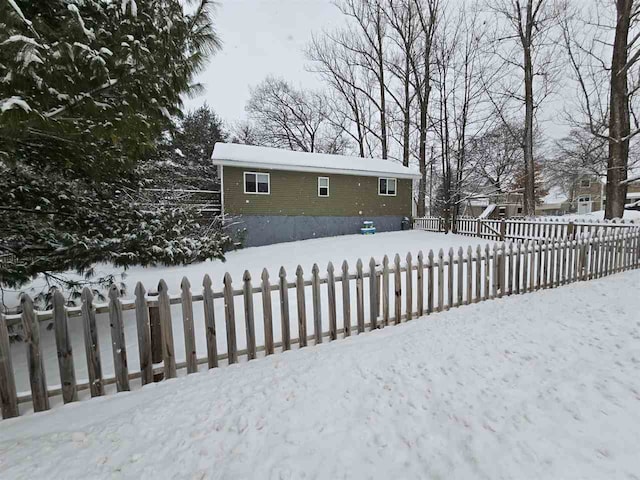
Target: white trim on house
point(324, 186)
point(248, 156)
point(244, 183)
point(221, 174)
point(386, 194)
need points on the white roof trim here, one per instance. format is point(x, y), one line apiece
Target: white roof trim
point(246, 156)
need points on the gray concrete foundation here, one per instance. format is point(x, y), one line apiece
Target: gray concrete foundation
point(256, 230)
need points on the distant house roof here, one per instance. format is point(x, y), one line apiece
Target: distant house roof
point(247, 156)
point(556, 196)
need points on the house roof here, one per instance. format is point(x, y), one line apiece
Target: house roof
point(555, 197)
point(248, 156)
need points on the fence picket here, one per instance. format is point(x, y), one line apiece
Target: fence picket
point(450, 270)
point(494, 272)
point(385, 290)
point(469, 282)
point(440, 280)
point(420, 285)
point(501, 268)
point(117, 340)
point(65, 353)
point(409, 286)
point(360, 296)
point(143, 327)
point(509, 274)
point(249, 321)
point(460, 279)
point(397, 291)
point(317, 311)
point(285, 324)
point(487, 273)
point(478, 274)
point(430, 282)
point(91, 344)
point(230, 319)
point(517, 267)
point(31, 333)
point(373, 294)
point(552, 263)
point(346, 300)
point(267, 313)
point(525, 264)
point(168, 350)
point(187, 324)
point(8, 395)
point(331, 298)
point(532, 266)
point(302, 307)
point(209, 322)
point(537, 252)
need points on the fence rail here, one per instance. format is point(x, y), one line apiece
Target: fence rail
point(522, 228)
point(373, 296)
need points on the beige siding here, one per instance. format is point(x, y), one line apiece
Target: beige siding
point(296, 193)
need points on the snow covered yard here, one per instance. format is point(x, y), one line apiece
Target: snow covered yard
point(545, 385)
point(272, 257)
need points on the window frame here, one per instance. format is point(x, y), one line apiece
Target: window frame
point(588, 185)
point(588, 199)
point(328, 187)
point(395, 191)
point(244, 183)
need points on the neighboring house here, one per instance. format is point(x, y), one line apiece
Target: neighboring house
point(556, 202)
point(586, 195)
point(497, 205)
point(272, 195)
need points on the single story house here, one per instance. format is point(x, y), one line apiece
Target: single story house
point(555, 203)
point(270, 195)
point(493, 206)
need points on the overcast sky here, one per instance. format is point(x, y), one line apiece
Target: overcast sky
point(260, 37)
point(267, 37)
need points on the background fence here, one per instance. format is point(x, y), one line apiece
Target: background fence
point(306, 310)
point(523, 228)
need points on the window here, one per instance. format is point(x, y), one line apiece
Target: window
point(323, 186)
point(258, 183)
point(586, 183)
point(387, 186)
point(584, 199)
point(519, 210)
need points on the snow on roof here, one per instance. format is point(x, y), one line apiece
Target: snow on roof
point(555, 196)
point(237, 155)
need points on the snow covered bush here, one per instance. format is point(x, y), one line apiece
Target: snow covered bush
point(87, 88)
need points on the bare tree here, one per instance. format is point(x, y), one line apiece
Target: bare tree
point(245, 133)
point(403, 19)
point(286, 117)
point(528, 65)
point(367, 40)
point(421, 64)
point(495, 158)
point(604, 53)
point(351, 97)
point(461, 113)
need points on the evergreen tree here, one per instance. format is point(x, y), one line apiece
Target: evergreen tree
point(86, 90)
point(183, 162)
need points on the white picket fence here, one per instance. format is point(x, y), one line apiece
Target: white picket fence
point(523, 228)
point(339, 304)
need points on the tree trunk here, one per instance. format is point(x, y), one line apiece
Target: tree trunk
point(422, 160)
point(407, 115)
point(529, 170)
point(619, 127)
